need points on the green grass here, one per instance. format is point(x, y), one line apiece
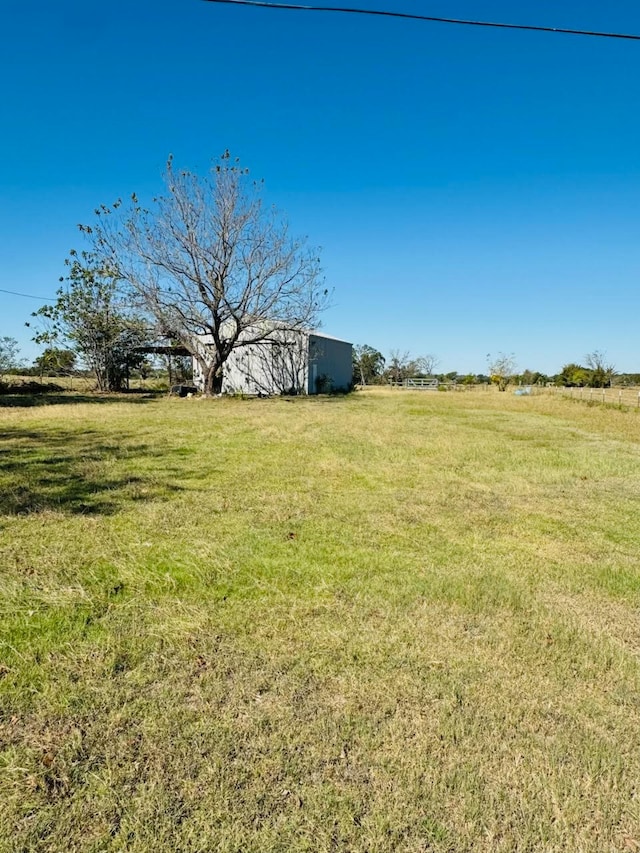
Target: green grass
point(387, 622)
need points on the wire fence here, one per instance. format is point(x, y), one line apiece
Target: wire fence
point(612, 396)
point(615, 396)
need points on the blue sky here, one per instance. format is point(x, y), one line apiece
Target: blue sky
point(473, 190)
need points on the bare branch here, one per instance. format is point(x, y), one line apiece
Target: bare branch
point(209, 260)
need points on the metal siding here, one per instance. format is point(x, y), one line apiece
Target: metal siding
point(332, 359)
point(250, 369)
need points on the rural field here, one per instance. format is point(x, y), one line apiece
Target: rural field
point(394, 621)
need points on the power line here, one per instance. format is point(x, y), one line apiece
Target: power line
point(27, 295)
point(432, 18)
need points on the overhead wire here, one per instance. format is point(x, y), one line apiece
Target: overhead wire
point(432, 18)
point(26, 295)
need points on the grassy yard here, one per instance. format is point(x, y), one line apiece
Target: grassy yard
point(389, 622)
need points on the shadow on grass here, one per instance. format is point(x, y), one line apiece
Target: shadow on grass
point(81, 473)
point(22, 400)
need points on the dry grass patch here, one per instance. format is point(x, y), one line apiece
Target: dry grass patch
point(389, 622)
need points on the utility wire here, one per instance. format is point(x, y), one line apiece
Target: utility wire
point(26, 295)
point(387, 14)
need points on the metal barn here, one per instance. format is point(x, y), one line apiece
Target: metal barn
point(287, 362)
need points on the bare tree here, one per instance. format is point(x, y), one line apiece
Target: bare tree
point(213, 268)
point(427, 363)
point(400, 366)
point(601, 373)
point(502, 368)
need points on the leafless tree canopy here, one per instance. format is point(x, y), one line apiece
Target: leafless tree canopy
point(427, 363)
point(208, 259)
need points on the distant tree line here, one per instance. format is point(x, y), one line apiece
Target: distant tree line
point(597, 373)
point(370, 367)
point(106, 341)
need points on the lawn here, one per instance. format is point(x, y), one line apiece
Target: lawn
point(392, 621)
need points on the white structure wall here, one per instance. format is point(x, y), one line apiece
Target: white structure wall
point(288, 362)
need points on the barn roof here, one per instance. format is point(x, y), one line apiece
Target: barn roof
point(318, 334)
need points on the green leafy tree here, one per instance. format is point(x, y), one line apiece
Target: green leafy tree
point(368, 364)
point(573, 376)
point(601, 373)
point(628, 379)
point(56, 361)
point(90, 316)
point(532, 377)
point(9, 360)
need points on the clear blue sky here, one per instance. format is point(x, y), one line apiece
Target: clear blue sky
point(473, 190)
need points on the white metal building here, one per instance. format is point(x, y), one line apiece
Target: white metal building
point(287, 362)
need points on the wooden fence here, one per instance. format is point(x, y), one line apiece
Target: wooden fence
point(421, 384)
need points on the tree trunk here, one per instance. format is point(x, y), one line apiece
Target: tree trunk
point(212, 380)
